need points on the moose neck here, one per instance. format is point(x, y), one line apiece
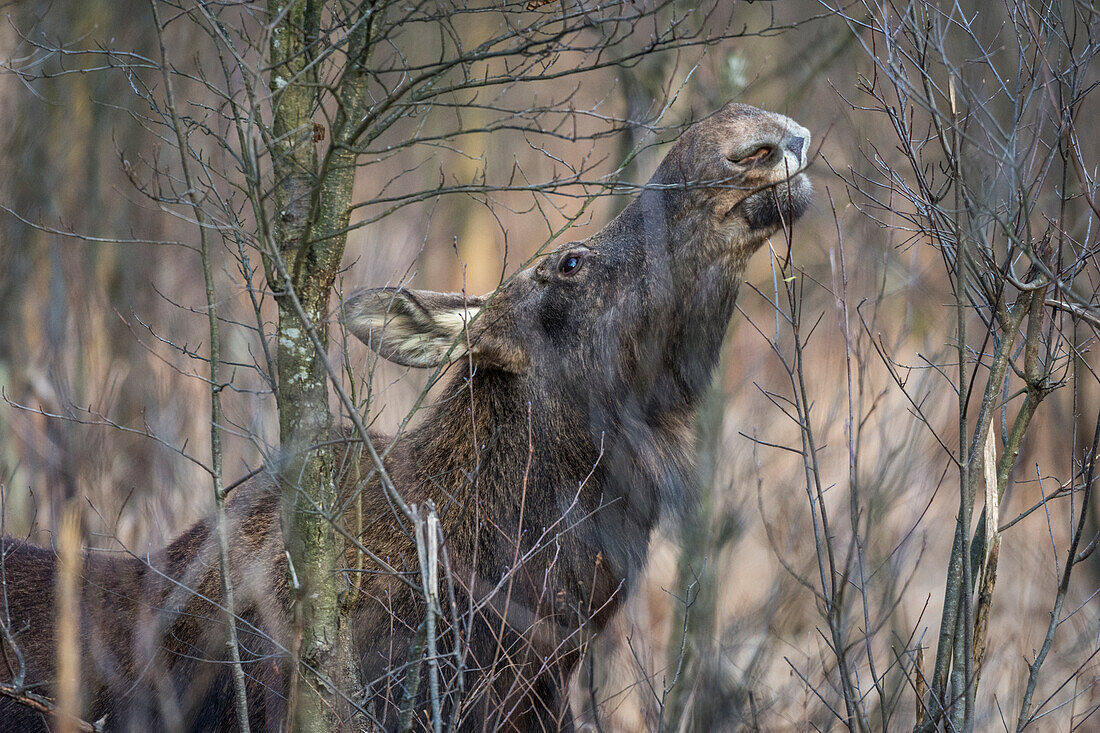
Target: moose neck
point(694, 273)
point(506, 458)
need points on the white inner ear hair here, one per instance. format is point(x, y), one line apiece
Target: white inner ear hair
point(423, 343)
point(454, 321)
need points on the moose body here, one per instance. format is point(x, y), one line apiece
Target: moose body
point(566, 430)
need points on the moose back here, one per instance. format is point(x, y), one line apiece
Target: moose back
point(565, 432)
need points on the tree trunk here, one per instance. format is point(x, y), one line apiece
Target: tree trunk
point(311, 212)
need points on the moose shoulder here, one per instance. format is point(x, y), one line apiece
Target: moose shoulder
point(566, 432)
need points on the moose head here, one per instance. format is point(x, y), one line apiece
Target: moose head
point(640, 306)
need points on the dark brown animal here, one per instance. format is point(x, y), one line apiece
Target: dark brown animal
point(565, 432)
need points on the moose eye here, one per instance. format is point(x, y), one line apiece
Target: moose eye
point(755, 156)
point(570, 264)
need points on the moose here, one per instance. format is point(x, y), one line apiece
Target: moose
point(565, 431)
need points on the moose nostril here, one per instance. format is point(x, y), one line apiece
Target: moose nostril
point(794, 144)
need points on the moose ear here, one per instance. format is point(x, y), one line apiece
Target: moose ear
point(421, 328)
point(415, 328)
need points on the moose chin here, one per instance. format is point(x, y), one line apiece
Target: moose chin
point(565, 431)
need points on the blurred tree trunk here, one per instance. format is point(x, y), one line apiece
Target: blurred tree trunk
point(312, 205)
point(58, 180)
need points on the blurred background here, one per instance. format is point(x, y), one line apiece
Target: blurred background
point(101, 343)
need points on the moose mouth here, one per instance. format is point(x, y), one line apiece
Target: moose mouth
point(771, 207)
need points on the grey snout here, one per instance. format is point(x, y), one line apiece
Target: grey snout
point(796, 145)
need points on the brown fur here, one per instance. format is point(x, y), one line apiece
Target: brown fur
point(565, 432)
